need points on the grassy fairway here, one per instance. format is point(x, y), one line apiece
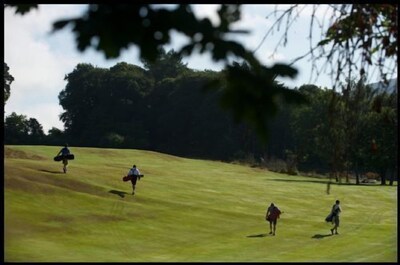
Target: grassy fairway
point(184, 210)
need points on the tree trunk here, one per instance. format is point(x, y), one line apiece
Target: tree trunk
point(357, 178)
point(383, 177)
point(357, 175)
point(392, 177)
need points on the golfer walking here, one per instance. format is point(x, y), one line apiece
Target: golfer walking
point(134, 173)
point(272, 216)
point(336, 210)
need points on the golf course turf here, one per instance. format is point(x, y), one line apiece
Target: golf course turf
point(184, 210)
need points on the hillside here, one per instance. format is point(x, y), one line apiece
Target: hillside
point(185, 210)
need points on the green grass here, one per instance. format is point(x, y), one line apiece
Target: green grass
point(184, 210)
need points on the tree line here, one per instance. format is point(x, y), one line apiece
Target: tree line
point(167, 107)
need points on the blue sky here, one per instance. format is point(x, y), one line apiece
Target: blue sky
point(39, 60)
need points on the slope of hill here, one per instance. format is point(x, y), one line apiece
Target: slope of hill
point(185, 210)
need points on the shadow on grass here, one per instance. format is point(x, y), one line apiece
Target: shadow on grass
point(51, 171)
point(319, 236)
point(324, 182)
point(259, 235)
point(118, 192)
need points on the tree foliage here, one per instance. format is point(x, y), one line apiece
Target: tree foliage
point(339, 128)
point(18, 129)
point(167, 64)
point(355, 40)
point(98, 100)
point(128, 106)
point(8, 79)
point(368, 28)
point(112, 28)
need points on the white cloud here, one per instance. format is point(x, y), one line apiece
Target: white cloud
point(38, 69)
point(34, 66)
point(39, 61)
point(47, 114)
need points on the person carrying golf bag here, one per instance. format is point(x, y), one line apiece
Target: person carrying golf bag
point(272, 216)
point(334, 216)
point(64, 153)
point(134, 175)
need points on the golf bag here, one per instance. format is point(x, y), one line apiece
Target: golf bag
point(329, 218)
point(61, 157)
point(128, 178)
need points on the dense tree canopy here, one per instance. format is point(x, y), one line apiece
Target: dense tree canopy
point(8, 79)
point(18, 129)
point(131, 107)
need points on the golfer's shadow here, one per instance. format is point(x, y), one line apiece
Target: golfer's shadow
point(259, 235)
point(319, 236)
point(51, 171)
point(118, 192)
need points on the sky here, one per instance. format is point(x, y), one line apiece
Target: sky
point(39, 60)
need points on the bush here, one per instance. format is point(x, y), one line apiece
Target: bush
point(113, 140)
point(247, 159)
point(276, 165)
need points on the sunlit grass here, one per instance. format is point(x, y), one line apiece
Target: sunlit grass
point(183, 210)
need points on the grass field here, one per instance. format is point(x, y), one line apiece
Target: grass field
point(184, 210)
